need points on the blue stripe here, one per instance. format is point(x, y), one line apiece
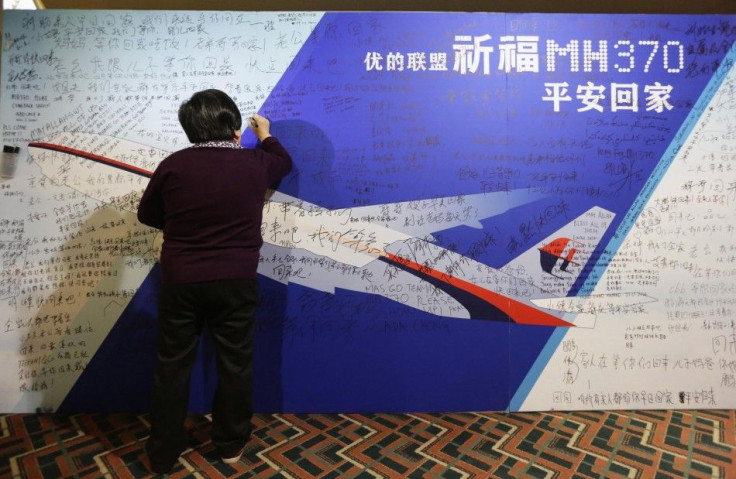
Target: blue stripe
point(629, 220)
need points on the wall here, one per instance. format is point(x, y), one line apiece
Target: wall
point(569, 6)
point(489, 211)
point(624, 6)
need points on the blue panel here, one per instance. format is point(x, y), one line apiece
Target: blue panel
point(393, 136)
point(366, 137)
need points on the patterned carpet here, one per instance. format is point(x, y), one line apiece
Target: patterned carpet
point(638, 444)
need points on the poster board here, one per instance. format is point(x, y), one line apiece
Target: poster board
point(487, 212)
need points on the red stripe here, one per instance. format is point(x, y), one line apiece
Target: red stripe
point(519, 312)
point(91, 156)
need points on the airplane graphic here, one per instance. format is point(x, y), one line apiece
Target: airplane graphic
point(386, 250)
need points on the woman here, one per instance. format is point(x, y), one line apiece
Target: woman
point(208, 200)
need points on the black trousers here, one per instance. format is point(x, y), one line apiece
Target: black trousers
point(228, 309)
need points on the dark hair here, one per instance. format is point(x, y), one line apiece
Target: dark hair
point(210, 115)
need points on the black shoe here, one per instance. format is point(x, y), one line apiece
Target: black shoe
point(233, 458)
point(163, 459)
point(163, 467)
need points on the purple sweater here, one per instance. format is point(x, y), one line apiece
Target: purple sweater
point(209, 203)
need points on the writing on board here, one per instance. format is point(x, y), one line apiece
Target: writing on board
point(466, 184)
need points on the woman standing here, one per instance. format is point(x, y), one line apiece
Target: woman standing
point(208, 200)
